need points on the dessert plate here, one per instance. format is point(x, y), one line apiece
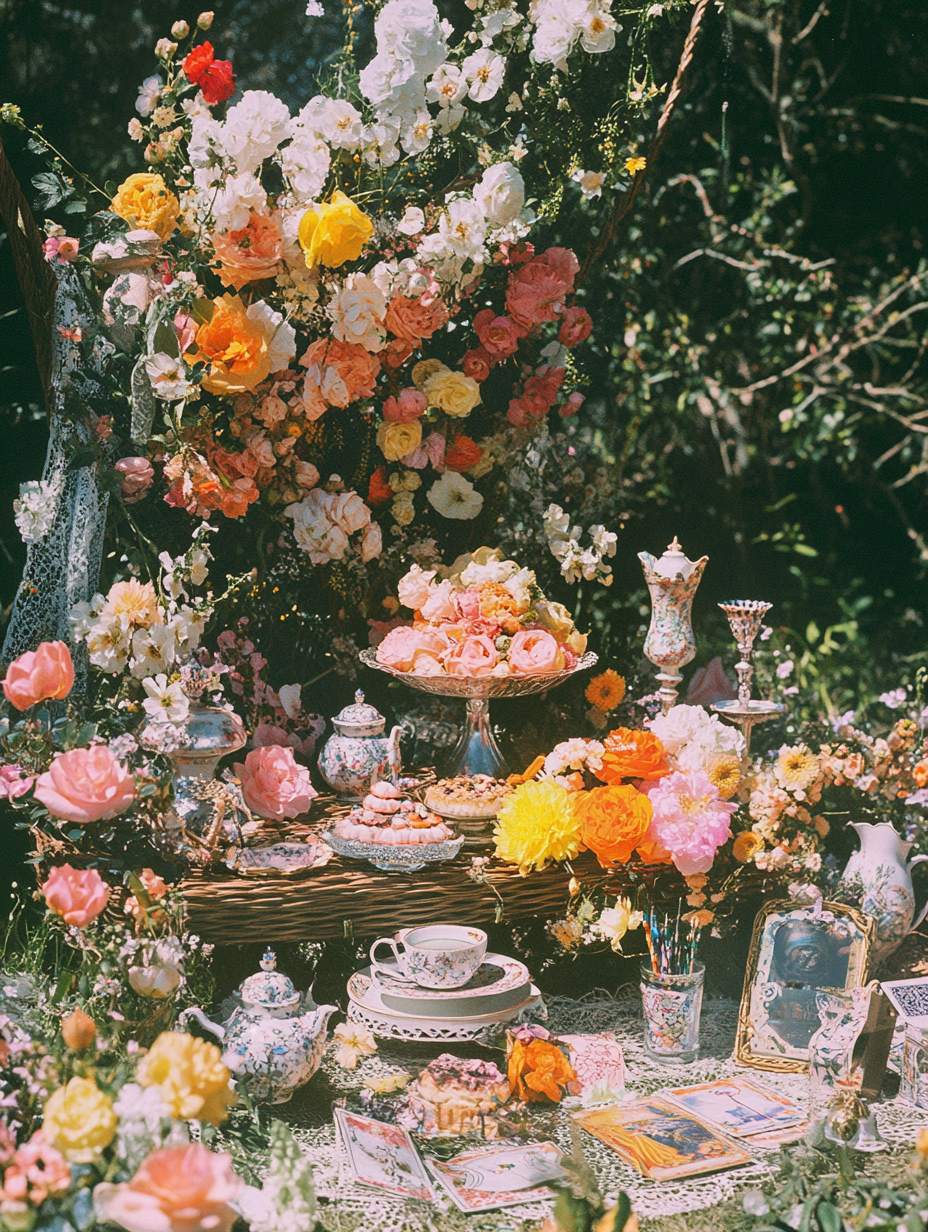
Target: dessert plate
point(370, 1012)
point(499, 984)
point(278, 859)
point(406, 859)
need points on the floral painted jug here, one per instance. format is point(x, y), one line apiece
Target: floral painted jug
point(672, 581)
point(879, 880)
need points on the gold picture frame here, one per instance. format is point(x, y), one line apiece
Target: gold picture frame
point(796, 951)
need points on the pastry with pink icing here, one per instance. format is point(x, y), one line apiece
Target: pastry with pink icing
point(388, 820)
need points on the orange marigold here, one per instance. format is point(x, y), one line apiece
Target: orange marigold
point(613, 820)
point(746, 846)
point(632, 754)
point(538, 1070)
point(606, 690)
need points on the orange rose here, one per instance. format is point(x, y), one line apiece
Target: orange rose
point(650, 851)
point(235, 348)
point(249, 254)
point(632, 754)
point(538, 1070)
point(920, 773)
point(411, 322)
point(613, 820)
point(339, 372)
point(462, 454)
point(498, 605)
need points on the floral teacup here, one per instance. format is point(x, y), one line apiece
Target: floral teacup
point(436, 956)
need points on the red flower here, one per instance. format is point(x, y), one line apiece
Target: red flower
point(576, 326)
point(462, 454)
point(498, 334)
point(214, 77)
point(476, 364)
point(379, 491)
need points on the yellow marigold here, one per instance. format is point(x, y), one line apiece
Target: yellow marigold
point(725, 773)
point(796, 768)
point(145, 201)
point(452, 392)
point(79, 1121)
point(234, 346)
point(536, 824)
point(334, 232)
point(606, 690)
point(634, 165)
point(746, 846)
point(194, 1082)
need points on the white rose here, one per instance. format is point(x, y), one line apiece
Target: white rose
point(350, 512)
point(414, 587)
point(679, 726)
point(371, 541)
point(357, 313)
point(500, 194)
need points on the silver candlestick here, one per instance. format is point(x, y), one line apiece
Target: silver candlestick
point(745, 617)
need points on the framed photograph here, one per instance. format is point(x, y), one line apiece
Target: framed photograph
point(662, 1141)
point(795, 951)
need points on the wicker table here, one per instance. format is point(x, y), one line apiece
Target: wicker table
point(349, 897)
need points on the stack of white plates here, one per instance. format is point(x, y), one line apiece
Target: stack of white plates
point(500, 992)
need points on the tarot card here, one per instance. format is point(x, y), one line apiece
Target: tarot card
point(909, 999)
point(487, 1180)
point(778, 1137)
point(384, 1156)
point(737, 1105)
point(661, 1141)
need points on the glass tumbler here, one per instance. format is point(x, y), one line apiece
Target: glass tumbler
point(672, 1008)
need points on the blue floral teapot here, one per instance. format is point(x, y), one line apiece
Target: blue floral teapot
point(359, 750)
point(268, 1041)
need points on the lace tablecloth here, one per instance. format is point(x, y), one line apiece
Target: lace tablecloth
point(347, 1205)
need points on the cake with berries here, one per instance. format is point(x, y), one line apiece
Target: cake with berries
point(467, 795)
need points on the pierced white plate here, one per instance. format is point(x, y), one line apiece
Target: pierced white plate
point(388, 1025)
point(500, 983)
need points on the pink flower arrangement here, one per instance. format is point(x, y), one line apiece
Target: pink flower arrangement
point(136, 478)
point(35, 1172)
point(77, 895)
point(534, 652)
point(273, 784)
point(39, 675)
point(689, 820)
point(86, 785)
point(176, 1189)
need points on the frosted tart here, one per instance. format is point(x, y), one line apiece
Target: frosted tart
point(468, 795)
point(454, 1096)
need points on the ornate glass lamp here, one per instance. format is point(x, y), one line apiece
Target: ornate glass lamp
point(745, 617)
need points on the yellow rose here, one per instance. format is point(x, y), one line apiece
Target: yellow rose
point(396, 440)
point(194, 1082)
point(453, 392)
point(234, 346)
point(424, 370)
point(555, 618)
point(145, 201)
point(331, 234)
point(79, 1121)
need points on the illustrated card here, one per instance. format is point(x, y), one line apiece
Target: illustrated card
point(737, 1105)
point(662, 1141)
point(778, 1137)
point(909, 999)
point(384, 1156)
point(487, 1180)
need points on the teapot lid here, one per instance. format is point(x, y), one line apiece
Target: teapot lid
point(269, 986)
point(361, 718)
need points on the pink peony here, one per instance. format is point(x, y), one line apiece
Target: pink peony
point(39, 675)
point(136, 478)
point(407, 407)
point(273, 784)
point(689, 819)
point(12, 783)
point(77, 895)
point(176, 1189)
point(86, 785)
point(467, 603)
point(474, 656)
point(576, 326)
point(534, 652)
point(403, 646)
point(534, 294)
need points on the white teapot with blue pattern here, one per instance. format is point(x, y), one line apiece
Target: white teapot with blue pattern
point(359, 750)
point(267, 1041)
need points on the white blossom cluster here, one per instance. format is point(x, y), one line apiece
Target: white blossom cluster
point(578, 562)
point(325, 522)
point(561, 24)
point(34, 508)
point(695, 739)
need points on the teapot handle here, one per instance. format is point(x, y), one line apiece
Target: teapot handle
point(197, 1013)
point(924, 911)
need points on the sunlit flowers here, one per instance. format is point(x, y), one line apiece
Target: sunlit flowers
point(334, 232)
point(606, 690)
point(147, 204)
point(797, 770)
point(613, 820)
point(690, 819)
point(177, 1189)
point(191, 1076)
point(77, 895)
point(351, 1043)
point(614, 922)
point(39, 675)
point(86, 785)
point(536, 825)
point(632, 754)
point(79, 1121)
point(274, 785)
point(538, 1069)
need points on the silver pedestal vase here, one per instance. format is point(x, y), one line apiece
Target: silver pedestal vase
point(745, 616)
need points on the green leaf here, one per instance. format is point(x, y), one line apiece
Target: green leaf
point(202, 310)
point(829, 1217)
point(804, 549)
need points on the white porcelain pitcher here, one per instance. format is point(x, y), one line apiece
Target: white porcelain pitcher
point(880, 880)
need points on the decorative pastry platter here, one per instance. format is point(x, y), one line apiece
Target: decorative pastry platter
point(399, 859)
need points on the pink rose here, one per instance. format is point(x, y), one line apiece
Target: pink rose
point(86, 785)
point(498, 335)
point(60, 248)
point(439, 605)
point(576, 326)
point(534, 294)
point(564, 263)
point(39, 675)
point(467, 603)
point(534, 652)
point(186, 329)
point(407, 407)
point(137, 476)
point(12, 783)
point(402, 647)
point(273, 784)
point(176, 1189)
point(474, 656)
point(377, 630)
point(77, 895)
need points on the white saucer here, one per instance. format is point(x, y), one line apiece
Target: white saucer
point(500, 983)
point(371, 1013)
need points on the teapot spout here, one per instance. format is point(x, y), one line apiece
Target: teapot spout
point(317, 1020)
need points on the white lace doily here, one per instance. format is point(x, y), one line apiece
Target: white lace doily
point(347, 1204)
